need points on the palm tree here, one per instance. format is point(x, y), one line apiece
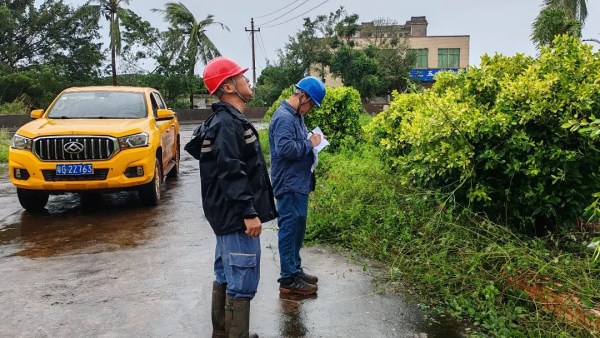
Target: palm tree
point(574, 9)
point(111, 10)
point(559, 17)
point(553, 21)
point(198, 45)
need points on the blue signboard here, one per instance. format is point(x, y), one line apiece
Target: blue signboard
point(426, 75)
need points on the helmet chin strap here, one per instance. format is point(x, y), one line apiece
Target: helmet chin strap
point(237, 92)
point(300, 103)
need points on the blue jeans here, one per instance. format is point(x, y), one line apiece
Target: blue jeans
point(237, 264)
point(292, 208)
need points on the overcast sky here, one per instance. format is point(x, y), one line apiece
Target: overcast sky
point(494, 26)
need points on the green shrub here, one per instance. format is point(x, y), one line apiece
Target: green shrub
point(358, 203)
point(338, 117)
point(4, 145)
point(285, 94)
point(17, 107)
point(493, 136)
point(263, 137)
point(454, 259)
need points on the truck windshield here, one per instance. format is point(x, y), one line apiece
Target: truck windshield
point(100, 104)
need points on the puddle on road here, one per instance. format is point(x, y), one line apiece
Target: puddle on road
point(292, 315)
point(96, 223)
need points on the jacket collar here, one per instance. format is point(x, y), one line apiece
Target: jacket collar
point(224, 106)
point(288, 107)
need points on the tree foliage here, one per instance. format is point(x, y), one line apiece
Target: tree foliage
point(326, 44)
point(271, 81)
point(195, 44)
point(45, 49)
point(574, 9)
point(559, 17)
point(112, 11)
point(493, 138)
point(553, 21)
point(338, 117)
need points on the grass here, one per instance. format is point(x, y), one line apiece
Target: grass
point(459, 262)
point(17, 107)
point(4, 145)
point(263, 136)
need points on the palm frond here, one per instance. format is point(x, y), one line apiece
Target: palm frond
point(178, 15)
point(575, 9)
point(209, 21)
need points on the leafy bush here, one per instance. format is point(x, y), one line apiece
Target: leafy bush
point(356, 201)
point(285, 94)
point(4, 145)
point(263, 137)
point(461, 263)
point(17, 107)
point(493, 136)
point(338, 117)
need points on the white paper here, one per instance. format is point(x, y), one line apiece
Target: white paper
point(324, 143)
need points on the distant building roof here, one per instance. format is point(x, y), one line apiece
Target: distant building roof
point(416, 26)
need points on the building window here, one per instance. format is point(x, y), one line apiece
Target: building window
point(422, 57)
point(448, 57)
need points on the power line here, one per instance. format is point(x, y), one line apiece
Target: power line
point(261, 43)
point(279, 10)
point(281, 23)
point(286, 13)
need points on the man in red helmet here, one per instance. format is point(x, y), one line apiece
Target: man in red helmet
point(236, 195)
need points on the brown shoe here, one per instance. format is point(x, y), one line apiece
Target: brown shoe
point(310, 279)
point(299, 287)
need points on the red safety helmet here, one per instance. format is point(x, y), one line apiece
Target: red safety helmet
point(218, 70)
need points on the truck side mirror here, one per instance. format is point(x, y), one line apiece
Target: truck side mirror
point(36, 114)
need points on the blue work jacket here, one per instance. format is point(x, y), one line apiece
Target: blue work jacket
point(291, 152)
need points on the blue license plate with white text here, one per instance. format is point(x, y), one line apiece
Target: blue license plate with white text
point(74, 169)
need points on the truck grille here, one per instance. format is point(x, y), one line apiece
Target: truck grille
point(79, 148)
point(98, 175)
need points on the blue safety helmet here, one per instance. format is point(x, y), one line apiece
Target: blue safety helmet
point(314, 88)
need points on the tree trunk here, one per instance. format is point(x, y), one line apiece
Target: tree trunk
point(113, 49)
point(114, 65)
point(192, 87)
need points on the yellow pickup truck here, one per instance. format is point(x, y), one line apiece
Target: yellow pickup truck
point(96, 139)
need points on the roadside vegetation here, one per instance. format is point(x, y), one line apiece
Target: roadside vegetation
point(4, 145)
point(455, 260)
point(17, 107)
point(479, 193)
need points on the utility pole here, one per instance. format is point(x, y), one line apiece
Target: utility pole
point(252, 30)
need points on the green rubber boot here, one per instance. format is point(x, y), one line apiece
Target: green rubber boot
point(237, 318)
point(218, 311)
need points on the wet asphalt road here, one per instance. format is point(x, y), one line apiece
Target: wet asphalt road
point(112, 268)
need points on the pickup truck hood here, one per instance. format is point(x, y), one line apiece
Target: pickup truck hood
point(112, 127)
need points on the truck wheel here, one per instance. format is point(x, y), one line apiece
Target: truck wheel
point(32, 200)
point(149, 193)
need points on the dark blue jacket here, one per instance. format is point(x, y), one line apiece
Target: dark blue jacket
point(291, 152)
point(233, 174)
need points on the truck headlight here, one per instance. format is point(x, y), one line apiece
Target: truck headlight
point(21, 142)
point(133, 141)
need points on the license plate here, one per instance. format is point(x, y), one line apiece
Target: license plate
point(74, 169)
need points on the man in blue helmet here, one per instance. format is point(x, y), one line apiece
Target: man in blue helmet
point(291, 160)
